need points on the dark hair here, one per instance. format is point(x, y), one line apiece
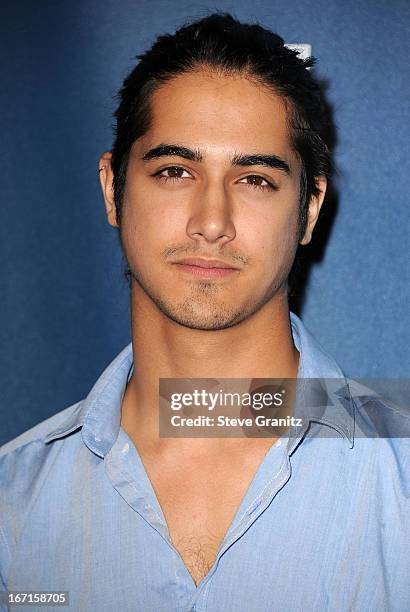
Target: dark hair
point(223, 44)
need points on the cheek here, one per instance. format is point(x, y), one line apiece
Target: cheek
point(272, 236)
point(149, 223)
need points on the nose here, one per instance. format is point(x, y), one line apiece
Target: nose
point(211, 215)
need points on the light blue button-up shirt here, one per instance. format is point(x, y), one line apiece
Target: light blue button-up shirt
point(323, 526)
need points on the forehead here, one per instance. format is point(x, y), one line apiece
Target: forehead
point(229, 112)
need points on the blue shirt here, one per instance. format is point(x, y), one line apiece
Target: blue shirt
point(323, 526)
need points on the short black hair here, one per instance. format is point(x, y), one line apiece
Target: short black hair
point(221, 43)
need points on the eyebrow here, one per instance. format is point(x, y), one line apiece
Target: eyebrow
point(239, 159)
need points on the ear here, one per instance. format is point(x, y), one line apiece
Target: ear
point(106, 180)
point(315, 205)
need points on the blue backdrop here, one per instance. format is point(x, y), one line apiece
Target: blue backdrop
point(64, 303)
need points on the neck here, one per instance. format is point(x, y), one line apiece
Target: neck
point(258, 347)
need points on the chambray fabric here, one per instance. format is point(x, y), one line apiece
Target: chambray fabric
point(323, 526)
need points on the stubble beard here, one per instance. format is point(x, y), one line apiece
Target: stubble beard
point(200, 310)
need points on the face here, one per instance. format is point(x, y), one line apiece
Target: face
point(214, 178)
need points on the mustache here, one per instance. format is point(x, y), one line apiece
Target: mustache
point(188, 251)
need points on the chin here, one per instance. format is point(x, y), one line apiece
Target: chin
point(197, 316)
point(209, 324)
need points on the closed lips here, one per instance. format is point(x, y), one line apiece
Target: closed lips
point(205, 263)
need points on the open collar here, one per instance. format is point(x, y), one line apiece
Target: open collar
point(99, 413)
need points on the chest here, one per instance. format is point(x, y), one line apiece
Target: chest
point(199, 500)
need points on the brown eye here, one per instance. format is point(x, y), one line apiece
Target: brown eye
point(259, 182)
point(172, 173)
point(256, 180)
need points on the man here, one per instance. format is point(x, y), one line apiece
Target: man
point(217, 174)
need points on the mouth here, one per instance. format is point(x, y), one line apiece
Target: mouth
point(208, 268)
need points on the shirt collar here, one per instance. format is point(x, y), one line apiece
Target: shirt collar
point(99, 413)
point(325, 394)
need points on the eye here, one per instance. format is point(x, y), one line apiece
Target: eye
point(175, 173)
point(259, 182)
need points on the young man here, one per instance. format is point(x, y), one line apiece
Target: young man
point(217, 174)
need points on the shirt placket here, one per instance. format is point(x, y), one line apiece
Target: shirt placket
point(270, 478)
point(129, 477)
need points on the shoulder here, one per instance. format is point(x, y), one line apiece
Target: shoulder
point(39, 432)
point(25, 465)
point(376, 415)
point(25, 461)
point(382, 437)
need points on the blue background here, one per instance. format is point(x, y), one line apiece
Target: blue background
point(64, 303)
